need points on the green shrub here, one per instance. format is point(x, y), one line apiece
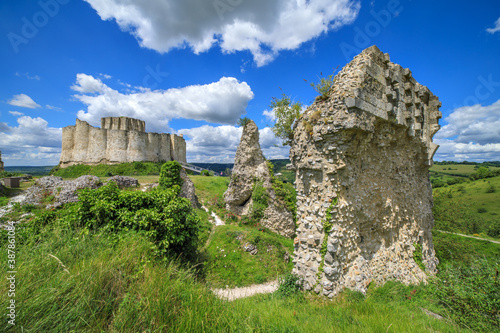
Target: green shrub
point(284, 192)
point(260, 201)
point(170, 174)
point(491, 189)
point(471, 294)
point(481, 210)
point(166, 219)
point(494, 230)
point(205, 173)
point(288, 285)
point(417, 256)
point(324, 86)
point(242, 122)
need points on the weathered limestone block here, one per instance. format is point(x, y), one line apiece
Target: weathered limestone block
point(251, 166)
point(119, 140)
point(362, 157)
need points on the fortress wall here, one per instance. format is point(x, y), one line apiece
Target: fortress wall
point(165, 147)
point(85, 144)
point(117, 146)
point(81, 141)
point(137, 143)
point(153, 147)
point(123, 123)
point(178, 148)
point(68, 143)
point(96, 151)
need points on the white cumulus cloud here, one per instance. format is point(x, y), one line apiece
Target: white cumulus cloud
point(222, 102)
point(496, 28)
point(24, 101)
point(263, 27)
point(31, 142)
point(472, 133)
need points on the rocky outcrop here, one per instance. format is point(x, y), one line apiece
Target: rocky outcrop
point(120, 140)
point(188, 190)
point(251, 166)
point(63, 191)
point(124, 181)
point(362, 156)
point(1, 163)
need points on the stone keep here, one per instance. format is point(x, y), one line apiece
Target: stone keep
point(1, 163)
point(119, 140)
point(362, 156)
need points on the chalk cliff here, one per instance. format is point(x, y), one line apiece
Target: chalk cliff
point(119, 140)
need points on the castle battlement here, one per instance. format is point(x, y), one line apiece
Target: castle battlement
point(120, 140)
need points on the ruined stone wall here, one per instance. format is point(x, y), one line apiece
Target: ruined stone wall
point(119, 140)
point(1, 163)
point(361, 157)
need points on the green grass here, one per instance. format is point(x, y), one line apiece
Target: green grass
point(457, 169)
point(210, 192)
point(228, 264)
point(454, 249)
point(70, 279)
point(208, 188)
point(468, 208)
point(103, 170)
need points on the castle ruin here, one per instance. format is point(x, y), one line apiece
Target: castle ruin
point(362, 155)
point(1, 163)
point(119, 140)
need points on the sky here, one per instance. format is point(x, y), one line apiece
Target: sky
point(194, 67)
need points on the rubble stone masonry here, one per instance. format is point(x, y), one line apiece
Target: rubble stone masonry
point(361, 156)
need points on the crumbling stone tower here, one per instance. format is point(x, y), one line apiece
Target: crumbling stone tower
point(1, 163)
point(362, 156)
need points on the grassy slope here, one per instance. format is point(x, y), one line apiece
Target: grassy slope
point(465, 201)
point(115, 285)
point(230, 265)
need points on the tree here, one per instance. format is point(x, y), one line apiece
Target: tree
point(286, 114)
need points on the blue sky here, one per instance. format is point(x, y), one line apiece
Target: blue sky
point(195, 67)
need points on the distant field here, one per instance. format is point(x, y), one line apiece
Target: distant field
point(457, 169)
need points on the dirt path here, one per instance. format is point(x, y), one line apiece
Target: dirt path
point(216, 220)
point(235, 293)
point(484, 239)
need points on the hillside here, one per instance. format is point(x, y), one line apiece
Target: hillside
point(89, 277)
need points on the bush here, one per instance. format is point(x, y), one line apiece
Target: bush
point(170, 175)
point(167, 220)
point(242, 122)
point(491, 189)
point(205, 173)
point(288, 285)
point(482, 210)
point(472, 294)
point(494, 230)
point(260, 201)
